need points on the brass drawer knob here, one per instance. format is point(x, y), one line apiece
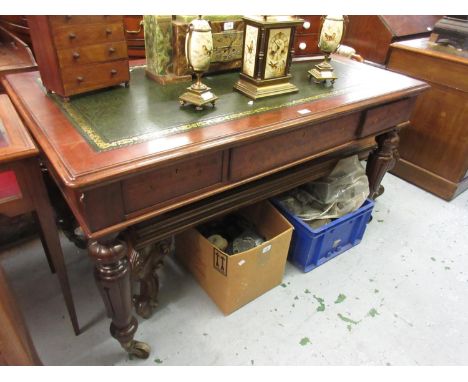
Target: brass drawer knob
point(71, 35)
point(80, 79)
point(111, 50)
point(76, 55)
point(113, 72)
point(108, 31)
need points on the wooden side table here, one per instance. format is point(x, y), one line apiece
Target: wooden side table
point(22, 190)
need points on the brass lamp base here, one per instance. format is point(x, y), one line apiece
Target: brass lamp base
point(199, 95)
point(322, 72)
point(265, 88)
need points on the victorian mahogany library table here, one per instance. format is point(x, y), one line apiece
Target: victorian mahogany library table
point(136, 168)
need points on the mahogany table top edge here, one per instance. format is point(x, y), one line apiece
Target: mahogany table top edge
point(58, 138)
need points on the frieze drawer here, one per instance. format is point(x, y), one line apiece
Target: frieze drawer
point(79, 35)
point(386, 116)
point(167, 183)
point(283, 149)
point(92, 53)
point(92, 76)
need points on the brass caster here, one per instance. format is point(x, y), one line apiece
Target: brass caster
point(182, 103)
point(138, 349)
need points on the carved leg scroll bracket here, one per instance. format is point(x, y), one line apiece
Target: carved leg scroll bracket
point(382, 160)
point(144, 263)
point(112, 273)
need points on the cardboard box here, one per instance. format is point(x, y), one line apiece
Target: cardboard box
point(234, 280)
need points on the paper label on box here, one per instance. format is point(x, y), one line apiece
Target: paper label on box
point(229, 25)
point(266, 249)
point(220, 261)
point(207, 95)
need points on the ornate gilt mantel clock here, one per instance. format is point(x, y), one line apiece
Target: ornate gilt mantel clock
point(268, 49)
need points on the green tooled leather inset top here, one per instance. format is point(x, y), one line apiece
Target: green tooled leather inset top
point(119, 116)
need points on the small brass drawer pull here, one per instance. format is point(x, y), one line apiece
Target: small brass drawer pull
point(138, 30)
point(80, 79)
point(108, 31)
point(111, 50)
point(71, 35)
point(76, 55)
point(113, 72)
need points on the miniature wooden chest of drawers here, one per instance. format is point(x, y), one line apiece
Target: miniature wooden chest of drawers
point(77, 54)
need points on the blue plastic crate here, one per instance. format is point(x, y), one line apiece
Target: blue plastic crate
point(311, 248)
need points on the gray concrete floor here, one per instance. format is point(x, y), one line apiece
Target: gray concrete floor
point(405, 288)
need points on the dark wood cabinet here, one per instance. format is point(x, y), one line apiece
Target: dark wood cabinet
point(77, 54)
point(371, 36)
point(434, 151)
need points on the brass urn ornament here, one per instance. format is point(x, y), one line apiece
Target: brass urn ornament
point(267, 56)
point(198, 51)
point(331, 34)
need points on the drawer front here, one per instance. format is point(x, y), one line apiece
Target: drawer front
point(311, 25)
point(283, 149)
point(58, 21)
point(386, 116)
point(89, 77)
point(80, 35)
point(92, 53)
point(161, 185)
point(132, 26)
point(306, 45)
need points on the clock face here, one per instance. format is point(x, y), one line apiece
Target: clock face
point(277, 53)
point(250, 50)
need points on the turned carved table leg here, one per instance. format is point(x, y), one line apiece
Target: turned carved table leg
point(112, 273)
point(144, 264)
point(382, 160)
